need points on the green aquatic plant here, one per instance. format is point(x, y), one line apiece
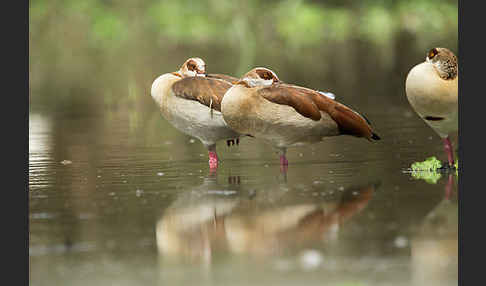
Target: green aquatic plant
point(430, 164)
point(427, 170)
point(456, 165)
point(430, 177)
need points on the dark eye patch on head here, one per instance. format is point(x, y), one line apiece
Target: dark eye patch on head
point(266, 75)
point(432, 53)
point(191, 65)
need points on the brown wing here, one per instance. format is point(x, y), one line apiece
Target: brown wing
point(207, 91)
point(227, 78)
point(310, 103)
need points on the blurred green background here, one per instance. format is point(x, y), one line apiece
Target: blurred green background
point(93, 56)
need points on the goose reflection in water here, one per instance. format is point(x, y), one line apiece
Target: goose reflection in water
point(434, 248)
point(214, 219)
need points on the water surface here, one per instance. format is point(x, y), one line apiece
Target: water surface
point(122, 198)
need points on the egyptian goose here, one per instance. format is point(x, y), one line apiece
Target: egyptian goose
point(190, 100)
point(431, 89)
point(286, 115)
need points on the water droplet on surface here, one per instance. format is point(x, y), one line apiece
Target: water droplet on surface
point(401, 242)
point(310, 259)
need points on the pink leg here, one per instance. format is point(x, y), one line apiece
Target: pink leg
point(284, 163)
point(213, 160)
point(448, 187)
point(448, 149)
point(213, 157)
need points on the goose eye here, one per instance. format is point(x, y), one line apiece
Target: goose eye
point(432, 53)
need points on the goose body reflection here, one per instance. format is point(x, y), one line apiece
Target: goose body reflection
point(190, 100)
point(212, 218)
point(435, 245)
point(192, 224)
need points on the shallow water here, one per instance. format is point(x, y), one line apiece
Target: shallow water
point(123, 198)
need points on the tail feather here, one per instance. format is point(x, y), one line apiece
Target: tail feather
point(352, 123)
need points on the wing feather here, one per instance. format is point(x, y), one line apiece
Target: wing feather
point(310, 103)
point(207, 91)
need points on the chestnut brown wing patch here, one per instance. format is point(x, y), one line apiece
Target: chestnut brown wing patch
point(227, 78)
point(294, 97)
point(310, 103)
point(207, 91)
point(352, 123)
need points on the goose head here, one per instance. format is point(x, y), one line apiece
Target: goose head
point(444, 61)
point(258, 77)
point(193, 67)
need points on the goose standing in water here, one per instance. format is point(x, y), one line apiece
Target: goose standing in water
point(431, 88)
point(190, 100)
point(286, 115)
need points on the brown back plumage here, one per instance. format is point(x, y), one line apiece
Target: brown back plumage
point(310, 103)
point(208, 91)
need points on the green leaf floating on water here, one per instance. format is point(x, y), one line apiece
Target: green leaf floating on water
point(427, 170)
point(430, 164)
point(430, 177)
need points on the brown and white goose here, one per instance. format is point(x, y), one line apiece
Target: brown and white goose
point(286, 115)
point(431, 88)
point(190, 100)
